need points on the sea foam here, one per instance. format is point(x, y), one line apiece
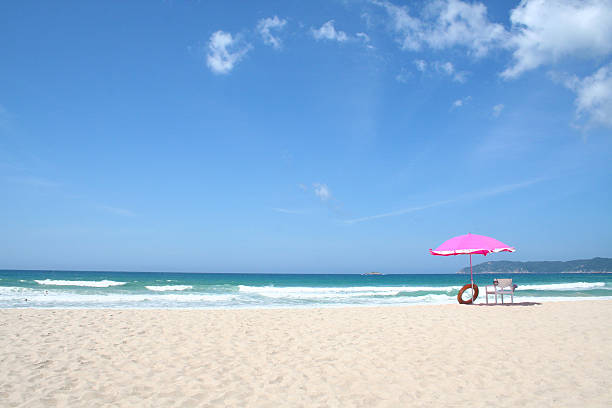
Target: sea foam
point(15, 290)
point(91, 284)
point(564, 286)
point(61, 299)
point(169, 288)
point(307, 292)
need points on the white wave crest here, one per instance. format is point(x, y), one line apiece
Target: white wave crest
point(169, 288)
point(315, 292)
point(91, 284)
point(314, 295)
point(564, 286)
point(338, 293)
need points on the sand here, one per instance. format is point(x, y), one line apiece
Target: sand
point(549, 355)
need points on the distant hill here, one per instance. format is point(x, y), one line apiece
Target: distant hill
point(578, 266)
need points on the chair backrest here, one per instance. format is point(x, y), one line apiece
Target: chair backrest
point(502, 283)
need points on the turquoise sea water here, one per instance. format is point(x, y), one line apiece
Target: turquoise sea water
point(73, 289)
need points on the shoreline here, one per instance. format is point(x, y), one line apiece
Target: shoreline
point(535, 302)
point(382, 356)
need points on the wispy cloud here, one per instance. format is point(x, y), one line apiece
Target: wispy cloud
point(497, 109)
point(366, 39)
point(287, 211)
point(46, 185)
point(265, 27)
point(460, 102)
point(442, 68)
point(117, 211)
point(464, 197)
point(398, 212)
point(448, 69)
point(33, 181)
point(421, 65)
point(322, 191)
point(324, 194)
point(404, 76)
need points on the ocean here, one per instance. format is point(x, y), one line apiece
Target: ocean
point(148, 290)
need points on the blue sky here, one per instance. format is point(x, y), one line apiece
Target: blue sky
point(291, 136)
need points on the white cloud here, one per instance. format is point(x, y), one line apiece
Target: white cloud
point(328, 32)
point(444, 68)
point(497, 109)
point(461, 102)
point(460, 76)
point(224, 52)
point(545, 32)
point(421, 65)
point(403, 76)
point(365, 38)
point(403, 23)
point(322, 191)
point(264, 27)
point(593, 97)
point(444, 24)
point(466, 24)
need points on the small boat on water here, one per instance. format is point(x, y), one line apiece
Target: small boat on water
point(372, 273)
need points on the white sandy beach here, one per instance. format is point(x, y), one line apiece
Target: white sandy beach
point(550, 355)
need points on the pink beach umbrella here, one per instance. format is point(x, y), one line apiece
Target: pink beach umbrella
point(467, 245)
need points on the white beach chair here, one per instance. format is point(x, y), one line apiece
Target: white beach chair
point(501, 287)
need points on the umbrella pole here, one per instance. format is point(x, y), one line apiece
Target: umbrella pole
point(471, 279)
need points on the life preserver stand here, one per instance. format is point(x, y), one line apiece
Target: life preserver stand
point(463, 289)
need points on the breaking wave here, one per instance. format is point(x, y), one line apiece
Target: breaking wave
point(303, 292)
point(169, 288)
point(90, 284)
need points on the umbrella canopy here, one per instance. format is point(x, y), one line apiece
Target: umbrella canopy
point(471, 244)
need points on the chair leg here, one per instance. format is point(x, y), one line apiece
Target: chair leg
point(487, 297)
point(502, 298)
point(495, 297)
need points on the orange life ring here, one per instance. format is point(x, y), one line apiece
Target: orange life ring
point(463, 289)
